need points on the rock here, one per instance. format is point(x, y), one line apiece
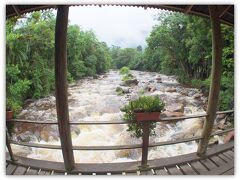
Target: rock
point(177, 107)
point(171, 90)
point(183, 92)
point(131, 82)
point(192, 92)
point(126, 90)
point(171, 114)
point(151, 89)
point(220, 117)
point(197, 96)
point(27, 102)
point(26, 137)
point(151, 81)
point(221, 124)
point(44, 135)
point(213, 140)
point(158, 78)
point(229, 137)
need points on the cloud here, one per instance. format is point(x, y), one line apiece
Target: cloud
point(121, 26)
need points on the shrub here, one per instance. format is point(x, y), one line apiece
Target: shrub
point(142, 104)
point(127, 77)
point(124, 70)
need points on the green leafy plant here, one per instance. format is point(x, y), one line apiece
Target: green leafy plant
point(127, 77)
point(124, 70)
point(142, 104)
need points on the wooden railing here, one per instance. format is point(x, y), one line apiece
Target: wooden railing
point(144, 146)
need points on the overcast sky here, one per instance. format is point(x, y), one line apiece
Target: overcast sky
point(121, 26)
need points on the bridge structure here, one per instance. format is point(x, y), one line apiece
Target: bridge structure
point(217, 159)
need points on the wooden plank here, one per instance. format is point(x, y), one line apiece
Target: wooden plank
point(217, 160)
point(41, 172)
point(188, 9)
point(174, 171)
point(131, 173)
point(115, 122)
point(230, 154)
point(174, 142)
point(20, 170)
point(34, 122)
point(225, 155)
point(187, 169)
point(223, 11)
point(220, 170)
point(10, 148)
point(11, 169)
point(215, 79)
point(122, 167)
point(31, 172)
point(197, 166)
point(189, 157)
point(222, 132)
point(36, 145)
point(208, 164)
point(229, 172)
point(148, 172)
point(161, 172)
point(225, 112)
point(223, 158)
point(58, 173)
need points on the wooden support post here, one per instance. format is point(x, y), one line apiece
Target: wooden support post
point(10, 148)
point(215, 80)
point(145, 143)
point(188, 9)
point(61, 86)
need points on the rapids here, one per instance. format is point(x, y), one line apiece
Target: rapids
point(97, 100)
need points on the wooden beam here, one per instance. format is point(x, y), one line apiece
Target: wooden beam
point(145, 144)
point(17, 10)
point(61, 85)
point(224, 11)
point(10, 148)
point(188, 9)
point(215, 79)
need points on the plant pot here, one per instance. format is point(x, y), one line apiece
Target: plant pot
point(9, 115)
point(147, 116)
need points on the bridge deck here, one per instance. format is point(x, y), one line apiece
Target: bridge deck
point(218, 160)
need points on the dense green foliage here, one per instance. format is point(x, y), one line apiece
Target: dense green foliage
point(129, 57)
point(124, 70)
point(30, 56)
point(181, 45)
point(142, 104)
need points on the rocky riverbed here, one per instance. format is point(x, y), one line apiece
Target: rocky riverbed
point(97, 100)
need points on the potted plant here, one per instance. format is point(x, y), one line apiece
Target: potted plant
point(145, 108)
point(9, 112)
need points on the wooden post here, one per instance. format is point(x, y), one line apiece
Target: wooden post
point(215, 79)
point(61, 86)
point(10, 148)
point(145, 143)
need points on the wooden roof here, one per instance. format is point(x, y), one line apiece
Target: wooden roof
point(226, 11)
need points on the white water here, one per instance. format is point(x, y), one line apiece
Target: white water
point(97, 100)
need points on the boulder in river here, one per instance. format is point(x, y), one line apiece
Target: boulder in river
point(124, 90)
point(152, 89)
point(27, 136)
point(130, 82)
point(197, 96)
point(171, 89)
point(159, 79)
point(176, 107)
point(171, 114)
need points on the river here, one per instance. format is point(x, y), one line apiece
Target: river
point(97, 100)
